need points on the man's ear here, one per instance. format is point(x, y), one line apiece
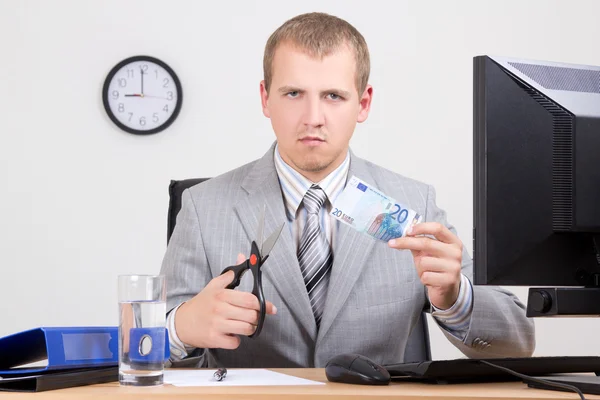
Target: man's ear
point(365, 104)
point(264, 99)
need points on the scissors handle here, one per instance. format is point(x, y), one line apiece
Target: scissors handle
point(263, 311)
point(257, 290)
point(238, 272)
point(253, 263)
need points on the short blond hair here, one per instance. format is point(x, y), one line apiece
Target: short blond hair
point(319, 34)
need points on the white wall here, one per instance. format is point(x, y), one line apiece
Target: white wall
point(82, 202)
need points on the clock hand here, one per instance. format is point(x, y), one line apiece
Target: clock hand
point(134, 95)
point(155, 97)
point(142, 75)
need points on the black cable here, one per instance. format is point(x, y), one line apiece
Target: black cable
point(542, 381)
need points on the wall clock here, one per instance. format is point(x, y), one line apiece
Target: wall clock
point(142, 95)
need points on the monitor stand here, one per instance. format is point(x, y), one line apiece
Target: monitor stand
point(564, 301)
point(575, 301)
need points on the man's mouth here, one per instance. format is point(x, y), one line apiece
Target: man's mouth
point(312, 140)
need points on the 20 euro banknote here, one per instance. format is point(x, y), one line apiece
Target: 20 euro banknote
point(368, 210)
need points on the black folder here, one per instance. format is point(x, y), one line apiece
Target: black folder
point(60, 379)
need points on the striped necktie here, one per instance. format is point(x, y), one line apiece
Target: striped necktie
point(314, 253)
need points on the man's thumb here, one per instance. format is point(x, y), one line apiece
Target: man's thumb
point(240, 258)
point(222, 281)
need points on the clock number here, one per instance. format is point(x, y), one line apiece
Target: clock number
point(170, 95)
point(122, 82)
point(143, 121)
point(145, 67)
point(156, 72)
point(130, 115)
point(121, 107)
point(115, 94)
point(166, 82)
point(166, 108)
point(130, 73)
point(155, 117)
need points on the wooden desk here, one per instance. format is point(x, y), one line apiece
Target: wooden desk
point(401, 390)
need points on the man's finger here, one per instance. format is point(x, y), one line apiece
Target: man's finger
point(235, 313)
point(241, 299)
point(432, 264)
point(238, 327)
point(437, 230)
point(229, 342)
point(233, 309)
point(429, 246)
point(436, 279)
point(271, 309)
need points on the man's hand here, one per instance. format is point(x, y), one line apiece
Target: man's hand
point(438, 261)
point(215, 316)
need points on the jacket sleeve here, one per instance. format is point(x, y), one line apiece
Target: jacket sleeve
point(498, 325)
point(187, 272)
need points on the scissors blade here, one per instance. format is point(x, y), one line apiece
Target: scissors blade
point(270, 242)
point(261, 224)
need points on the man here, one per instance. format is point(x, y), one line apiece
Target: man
point(330, 289)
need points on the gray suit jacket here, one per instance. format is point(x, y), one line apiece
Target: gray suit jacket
point(375, 295)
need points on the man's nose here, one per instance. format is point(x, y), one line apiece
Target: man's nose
point(314, 113)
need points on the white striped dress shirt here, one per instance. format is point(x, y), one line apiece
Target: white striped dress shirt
point(294, 186)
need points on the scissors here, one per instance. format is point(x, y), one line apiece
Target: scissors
point(259, 253)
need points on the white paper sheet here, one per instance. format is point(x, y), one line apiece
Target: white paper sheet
point(235, 377)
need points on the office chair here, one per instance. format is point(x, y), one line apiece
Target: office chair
point(417, 347)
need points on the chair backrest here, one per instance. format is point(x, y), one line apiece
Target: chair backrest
point(417, 347)
point(176, 189)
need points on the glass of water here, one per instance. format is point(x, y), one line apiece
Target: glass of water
point(142, 310)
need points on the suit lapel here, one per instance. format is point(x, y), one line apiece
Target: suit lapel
point(351, 252)
point(262, 186)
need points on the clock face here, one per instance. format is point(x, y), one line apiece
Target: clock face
point(142, 95)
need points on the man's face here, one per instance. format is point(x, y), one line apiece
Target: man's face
point(314, 107)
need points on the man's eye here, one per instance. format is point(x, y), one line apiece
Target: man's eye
point(334, 96)
point(292, 94)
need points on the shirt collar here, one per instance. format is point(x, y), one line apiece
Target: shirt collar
point(294, 186)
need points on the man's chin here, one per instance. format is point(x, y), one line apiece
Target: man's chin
point(313, 165)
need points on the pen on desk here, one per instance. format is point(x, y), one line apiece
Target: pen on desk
point(220, 374)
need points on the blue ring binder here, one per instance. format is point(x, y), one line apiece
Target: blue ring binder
point(70, 348)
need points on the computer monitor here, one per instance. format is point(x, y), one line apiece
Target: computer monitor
point(537, 181)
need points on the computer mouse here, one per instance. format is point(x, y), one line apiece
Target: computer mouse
point(357, 369)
